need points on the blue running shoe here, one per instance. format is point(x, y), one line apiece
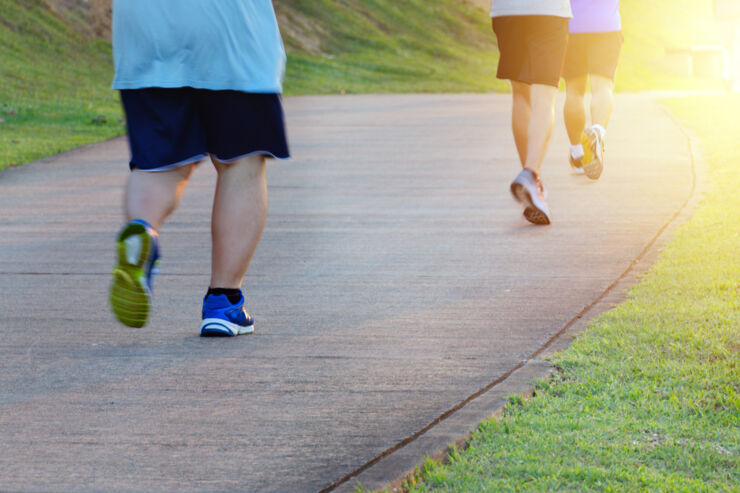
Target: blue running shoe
point(131, 289)
point(221, 318)
point(528, 190)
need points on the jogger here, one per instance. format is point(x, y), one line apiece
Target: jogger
point(532, 36)
point(197, 79)
point(592, 55)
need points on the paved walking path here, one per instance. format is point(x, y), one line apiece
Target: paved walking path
point(395, 279)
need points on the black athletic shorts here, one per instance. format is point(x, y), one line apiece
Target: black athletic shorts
point(593, 53)
point(532, 48)
point(168, 128)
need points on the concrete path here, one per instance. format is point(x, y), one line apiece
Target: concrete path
point(396, 278)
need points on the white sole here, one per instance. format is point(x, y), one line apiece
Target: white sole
point(593, 169)
point(532, 212)
point(218, 326)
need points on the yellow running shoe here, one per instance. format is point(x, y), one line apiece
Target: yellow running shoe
point(593, 148)
point(131, 289)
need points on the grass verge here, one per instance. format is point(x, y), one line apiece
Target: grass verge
point(647, 399)
point(54, 83)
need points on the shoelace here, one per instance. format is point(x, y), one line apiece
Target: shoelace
point(541, 189)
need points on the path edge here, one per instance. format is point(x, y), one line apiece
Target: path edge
point(454, 427)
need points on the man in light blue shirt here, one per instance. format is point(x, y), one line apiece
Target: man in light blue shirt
point(206, 44)
point(198, 79)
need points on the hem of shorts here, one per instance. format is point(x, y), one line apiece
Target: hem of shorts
point(166, 167)
point(253, 153)
point(200, 157)
point(569, 76)
point(555, 85)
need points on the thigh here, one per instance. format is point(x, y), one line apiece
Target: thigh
point(253, 163)
point(575, 87)
point(164, 128)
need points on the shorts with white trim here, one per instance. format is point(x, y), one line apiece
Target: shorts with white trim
point(171, 127)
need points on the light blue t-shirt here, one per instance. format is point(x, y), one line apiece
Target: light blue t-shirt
point(206, 44)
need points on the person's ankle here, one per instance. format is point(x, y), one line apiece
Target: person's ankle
point(233, 294)
point(576, 151)
point(534, 172)
point(143, 223)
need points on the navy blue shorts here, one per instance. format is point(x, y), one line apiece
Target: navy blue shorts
point(168, 128)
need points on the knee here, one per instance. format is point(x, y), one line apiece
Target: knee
point(520, 93)
point(602, 86)
point(185, 172)
point(248, 167)
point(574, 96)
point(543, 96)
point(575, 89)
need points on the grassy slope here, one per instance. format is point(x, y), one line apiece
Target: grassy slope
point(387, 46)
point(649, 398)
point(54, 84)
point(447, 45)
point(55, 78)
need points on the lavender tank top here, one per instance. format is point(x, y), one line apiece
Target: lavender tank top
point(595, 16)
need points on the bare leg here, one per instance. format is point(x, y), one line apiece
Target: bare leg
point(150, 196)
point(574, 112)
point(533, 116)
point(602, 100)
point(239, 212)
point(154, 195)
point(542, 119)
point(520, 115)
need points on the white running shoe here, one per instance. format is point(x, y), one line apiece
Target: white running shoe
point(528, 190)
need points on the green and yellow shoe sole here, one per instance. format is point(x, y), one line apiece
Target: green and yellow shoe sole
point(130, 298)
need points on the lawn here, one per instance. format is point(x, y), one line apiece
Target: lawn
point(647, 399)
point(54, 84)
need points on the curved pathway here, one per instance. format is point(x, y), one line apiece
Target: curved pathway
point(395, 281)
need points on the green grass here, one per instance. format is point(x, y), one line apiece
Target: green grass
point(384, 46)
point(647, 399)
point(54, 84)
